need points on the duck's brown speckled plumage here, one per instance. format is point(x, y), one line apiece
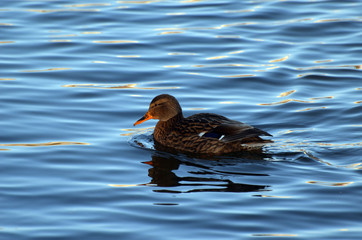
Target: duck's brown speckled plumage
point(203, 133)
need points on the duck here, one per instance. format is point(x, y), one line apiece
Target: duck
point(202, 133)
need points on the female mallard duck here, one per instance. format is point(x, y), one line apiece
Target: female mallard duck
point(203, 133)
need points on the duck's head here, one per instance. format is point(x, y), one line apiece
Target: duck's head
point(163, 107)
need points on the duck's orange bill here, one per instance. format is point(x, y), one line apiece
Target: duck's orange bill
point(146, 117)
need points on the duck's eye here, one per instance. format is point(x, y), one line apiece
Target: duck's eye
point(157, 104)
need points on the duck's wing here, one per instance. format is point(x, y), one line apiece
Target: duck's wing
point(226, 130)
point(229, 132)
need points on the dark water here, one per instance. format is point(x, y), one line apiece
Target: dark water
point(75, 76)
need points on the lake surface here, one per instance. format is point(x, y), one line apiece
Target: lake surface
point(76, 75)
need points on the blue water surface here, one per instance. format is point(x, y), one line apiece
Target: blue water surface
point(76, 75)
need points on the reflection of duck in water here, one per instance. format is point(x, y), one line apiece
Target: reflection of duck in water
point(163, 176)
point(203, 133)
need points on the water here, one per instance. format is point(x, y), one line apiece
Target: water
point(76, 75)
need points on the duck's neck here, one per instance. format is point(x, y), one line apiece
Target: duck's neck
point(164, 127)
